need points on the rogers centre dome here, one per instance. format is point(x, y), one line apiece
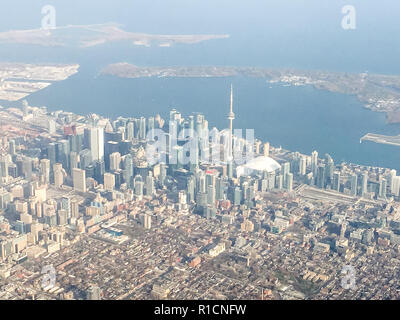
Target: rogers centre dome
point(258, 165)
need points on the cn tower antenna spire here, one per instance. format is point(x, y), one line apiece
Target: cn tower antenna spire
point(231, 98)
point(231, 117)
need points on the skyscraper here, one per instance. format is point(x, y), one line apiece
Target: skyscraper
point(211, 195)
point(321, 176)
point(75, 142)
point(264, 185)
point(73, 160)
point(96, 142)
point(27, 168)
point(191, 187)
point(199, 124)
point(279, 182)
point(150, 127)
point(45, 170)
point(11, 147)
point(353, 183)
point(85, 158)
point(230, 169)
point(142, 128)
point(65, 204)
point(396, 186)
point(237, 196)
point(122, 131)
point(329, 168)
point(266, 149)
point(109, 181)
point(257, 146)
point(115, 161)
point(314, 162)
point(4, 167)
point(51, 152)
point(194, 158)
point(75, 208)
point(390, 179)
point(62, 153)
point(302, 166)
point(163, 173)
point(289, 181)
point(138, 186)
point(284, 171)
point(58, 175)
point(145, 220)
point(79, 179)
point(96, 171)
point(191, 126)
point(336, 181)
point(130, 130)
point(149, 185)
point(382, 188)
point(128, 170)
point(364, 184)
point(220, 189)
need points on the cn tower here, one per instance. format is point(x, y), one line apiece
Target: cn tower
point(231, 117)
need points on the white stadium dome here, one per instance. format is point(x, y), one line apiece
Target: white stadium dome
point(258, 165)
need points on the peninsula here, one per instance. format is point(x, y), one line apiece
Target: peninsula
point(91, 35)
point(18, 80)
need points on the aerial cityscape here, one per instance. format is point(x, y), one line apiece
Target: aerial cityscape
point(188, 202)
point(78, 193)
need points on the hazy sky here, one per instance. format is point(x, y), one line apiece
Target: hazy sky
point(207, 15)
point(304, 33)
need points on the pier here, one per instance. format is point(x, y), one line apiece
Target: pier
point(380, 138)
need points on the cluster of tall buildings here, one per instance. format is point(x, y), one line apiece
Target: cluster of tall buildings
point(97, 150)
point(353, 180)
point(110, 156)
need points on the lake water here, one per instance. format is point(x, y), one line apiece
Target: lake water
point(297, 118)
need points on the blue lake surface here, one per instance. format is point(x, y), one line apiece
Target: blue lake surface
point(297, 118)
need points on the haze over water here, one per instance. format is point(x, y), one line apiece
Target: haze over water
point(295, 33)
